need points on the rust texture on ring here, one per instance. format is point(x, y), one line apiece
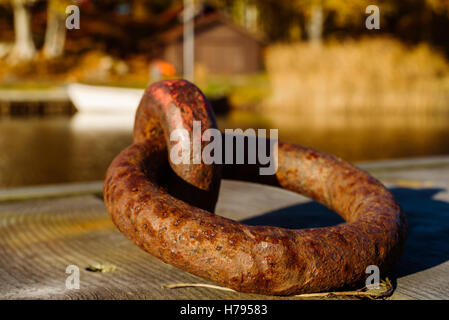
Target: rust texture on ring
point(167, 210)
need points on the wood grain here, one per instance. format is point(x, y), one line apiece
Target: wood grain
point(40, 238)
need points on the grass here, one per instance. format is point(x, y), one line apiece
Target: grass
point(29, 85)
point(385, 290)
point(371, 76)
point(244, 91)
point(374, 76)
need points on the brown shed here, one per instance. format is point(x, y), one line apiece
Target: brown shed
point(220, 46)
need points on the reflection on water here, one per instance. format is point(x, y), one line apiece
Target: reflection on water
point(80, 148)
point(55, 150)
point(358, 138)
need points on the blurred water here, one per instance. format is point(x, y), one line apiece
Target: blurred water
point(80, 148)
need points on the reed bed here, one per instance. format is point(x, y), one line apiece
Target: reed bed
point(370, 76)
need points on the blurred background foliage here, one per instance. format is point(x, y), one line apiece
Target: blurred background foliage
point(318, 52)
point(109, 22)
point(325, 80)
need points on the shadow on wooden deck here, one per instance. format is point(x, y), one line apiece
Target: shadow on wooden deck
point(74, 218)
point(428, 236)
point(428, 219)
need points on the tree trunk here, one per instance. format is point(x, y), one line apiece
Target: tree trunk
point(24, 48)
point(139, 10)
point(55, 33)
point(315, 24)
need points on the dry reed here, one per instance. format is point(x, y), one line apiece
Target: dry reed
point(370, 76)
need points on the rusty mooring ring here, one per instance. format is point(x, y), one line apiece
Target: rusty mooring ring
point(144, 199)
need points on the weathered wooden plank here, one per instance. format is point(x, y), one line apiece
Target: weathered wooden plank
point(51, 94)
point(51, 191)
point(39, 238)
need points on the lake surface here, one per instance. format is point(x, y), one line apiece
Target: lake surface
point(80, 148)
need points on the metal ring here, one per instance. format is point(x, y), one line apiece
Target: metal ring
point(144, 196)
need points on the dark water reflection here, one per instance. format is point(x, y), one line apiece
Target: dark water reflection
point(56, 150)
point(357, 138)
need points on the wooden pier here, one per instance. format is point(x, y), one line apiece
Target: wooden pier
point(53, 101)
point(43, 230)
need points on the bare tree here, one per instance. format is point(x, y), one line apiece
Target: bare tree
point(315, 22)
point(55, 34)
point(23, 49)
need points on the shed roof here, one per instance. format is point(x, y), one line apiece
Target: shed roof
point(202, 22)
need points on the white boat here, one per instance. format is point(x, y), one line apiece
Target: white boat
point(94, 122)
point(104, 100)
